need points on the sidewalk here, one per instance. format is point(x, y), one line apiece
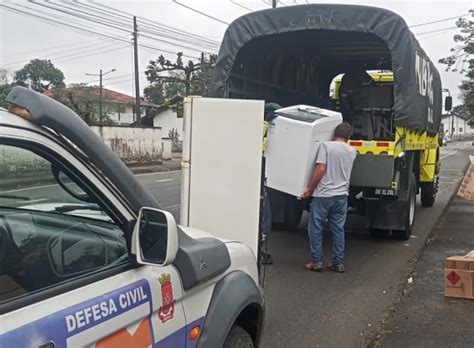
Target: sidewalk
point(424, 317)
point(165, 166)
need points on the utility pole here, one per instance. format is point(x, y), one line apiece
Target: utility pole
point(137, 79)
point(100, 74)
point(274, 3)
point(203, 74)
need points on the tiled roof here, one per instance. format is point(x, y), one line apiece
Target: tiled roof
point(108, 95)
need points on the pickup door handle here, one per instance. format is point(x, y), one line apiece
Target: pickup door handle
point(47, 345)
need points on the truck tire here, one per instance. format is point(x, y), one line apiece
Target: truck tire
point(293, 213)
point(428, 193)
point(238, 338)
point(410, 207)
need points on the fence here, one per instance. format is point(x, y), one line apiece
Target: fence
point(133, 145)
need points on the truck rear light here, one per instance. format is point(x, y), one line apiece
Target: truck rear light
point(355, 143)
point(383, 144)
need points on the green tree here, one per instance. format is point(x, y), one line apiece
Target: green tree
point(4, 90)
point(84, 101)
point(5, 87)
point(462, 61)
point(3, 76)
point(40, 75)
point(178, 76)
point(154, 93)
point(161, 92)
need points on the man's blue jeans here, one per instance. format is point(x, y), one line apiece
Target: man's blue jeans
point(334, 210)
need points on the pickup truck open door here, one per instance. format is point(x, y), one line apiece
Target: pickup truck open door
point(222, 156)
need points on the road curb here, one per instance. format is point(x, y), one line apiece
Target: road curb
point(156, 169)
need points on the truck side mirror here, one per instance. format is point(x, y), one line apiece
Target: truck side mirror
point(155, 237)
point(448, 103)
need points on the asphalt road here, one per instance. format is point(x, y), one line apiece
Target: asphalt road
point(307, 309)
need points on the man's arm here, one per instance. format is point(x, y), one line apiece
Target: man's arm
point(319, 171)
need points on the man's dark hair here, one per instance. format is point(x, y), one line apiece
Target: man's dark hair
point(343, 130)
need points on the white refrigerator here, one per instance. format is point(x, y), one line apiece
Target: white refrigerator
point(221, 169)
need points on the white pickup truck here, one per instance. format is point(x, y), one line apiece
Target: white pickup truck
point(88, 258)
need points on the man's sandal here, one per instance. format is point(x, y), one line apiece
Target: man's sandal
point(315, 267)
point(336, 268)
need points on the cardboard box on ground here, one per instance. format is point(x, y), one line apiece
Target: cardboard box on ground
point(466, 190)
point(459, 276)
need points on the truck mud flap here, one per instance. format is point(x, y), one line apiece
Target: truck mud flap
point(373, 171)
point(386, 214)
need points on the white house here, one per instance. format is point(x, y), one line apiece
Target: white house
point(458, 124)
point(168, 119)
point(117, 106)
point(166, 116)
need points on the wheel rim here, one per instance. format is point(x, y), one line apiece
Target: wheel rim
point(412, 209)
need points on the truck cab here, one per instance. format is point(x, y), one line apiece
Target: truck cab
point(88, 256)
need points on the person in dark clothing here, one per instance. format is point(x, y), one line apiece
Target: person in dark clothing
point(351, 83)
point(265, 209)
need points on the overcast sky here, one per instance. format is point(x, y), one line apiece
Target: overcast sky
point(24, 38)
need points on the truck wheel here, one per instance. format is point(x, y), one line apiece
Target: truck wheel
point(428, 193)
point(238, 338)
point(293, 213)
point(410, 213)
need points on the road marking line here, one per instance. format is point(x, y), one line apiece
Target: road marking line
point(450, 154)
point(36, 200)
point(29, 188)
point(173, 206)
point(451, 170)
point(155, 173)
point(164, 180)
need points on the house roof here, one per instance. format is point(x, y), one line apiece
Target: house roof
point(108, 96)
point(148, 119)
point(458, 111)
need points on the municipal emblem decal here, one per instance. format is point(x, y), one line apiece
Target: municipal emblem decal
point(167, 308)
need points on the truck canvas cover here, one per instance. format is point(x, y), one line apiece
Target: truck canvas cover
point(291, 55)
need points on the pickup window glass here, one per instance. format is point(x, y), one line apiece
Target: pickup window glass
point(51, 230)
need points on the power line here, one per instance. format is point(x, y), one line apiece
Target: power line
point(82, 29)
point(50, 48)
point(157, 25)
point(120, 26)
point(201, 13)
point(434, 35)
point(92, 54)
point(78, 49)
point(437, 21)
point(59, 19)
point(240, 5)
point(436, 31)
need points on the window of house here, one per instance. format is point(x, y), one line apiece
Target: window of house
point(51, 230)
point(460, 129)
point(122, 109)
